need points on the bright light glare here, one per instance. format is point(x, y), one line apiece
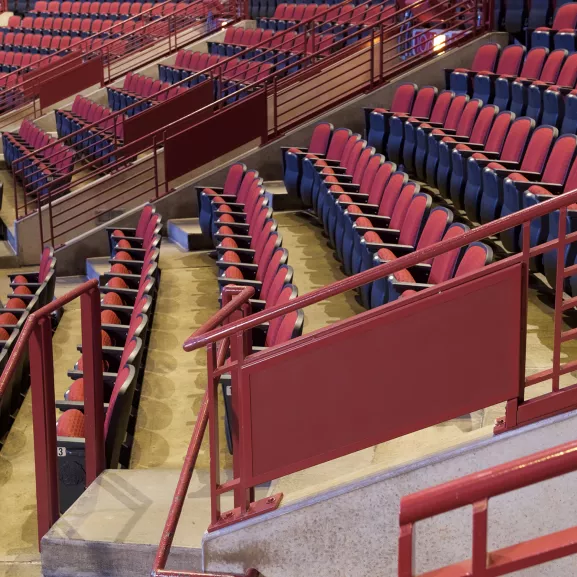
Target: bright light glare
point(439, 42)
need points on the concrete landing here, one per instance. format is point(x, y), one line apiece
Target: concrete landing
point(115, 527)
point(96, 266)
point(187, 234)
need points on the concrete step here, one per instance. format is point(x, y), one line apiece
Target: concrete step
point(114, 528)
point(8, 258)
point(186, 233)
point(96, 266)
point(279, 197)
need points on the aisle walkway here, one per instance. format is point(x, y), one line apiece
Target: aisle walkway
point(19, 556)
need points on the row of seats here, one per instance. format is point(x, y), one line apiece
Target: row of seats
point(141, 91)
point(36, 43)
point(236, 73)
point(30, 291)
point(128, 298)
point(112, 10)
point(491, 163)
point(37, 170)
point(366, 14)
point(91, 142)
point(75, 27)
point(11, 61)
point(516, 16)
point(284, 52)
point(267, 8)
point(542, 89)
point(239, 220)
point(372, 213)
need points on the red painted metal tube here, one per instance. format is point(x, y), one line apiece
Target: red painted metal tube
point(489, 483)
point(241, 296)
point(30, 323)
point(407, 261)
point(169, 573)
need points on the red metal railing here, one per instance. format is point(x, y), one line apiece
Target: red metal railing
point(476, 490)
point(37, 336)
point(275, 105)
point(235, 303)
point(369, 410)
point(152, 38)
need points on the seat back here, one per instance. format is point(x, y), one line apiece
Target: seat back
point(403, 98)
point(467, 119)
point(415, 218)
point(391, 193)
point(534, 62)
point(511, 59)
point(443, 265)
point(476, 256)
point(499, 130)
point(483, 124)
point(538, 148)
point(442, 105)
point(424, 102)
point(517, 138)
point(552, 66)
point(486, 57)
point(560, 159)
point(455, 110)
point(435, 226)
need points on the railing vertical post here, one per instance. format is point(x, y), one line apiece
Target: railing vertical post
point(212, 388)
point(93, 400)
point(165, 164)
point(559, 282)
point(480, 527)
point(274, 105)
point(15, 186)
point(405, 561)
point(242, 493)
point(372, 56)
point(155, 155)
point(490, 17)
point(44, 419)
point(382, 54)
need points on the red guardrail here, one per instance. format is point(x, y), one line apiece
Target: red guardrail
point(152, 38)
point(273, 106)
point(367, 411)
point(37, 335)
point(476, 490)
point(235, 302)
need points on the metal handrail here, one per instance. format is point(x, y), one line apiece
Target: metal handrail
point(238, 297)
point(87, 41)
point(37, 334)
point(383, 270)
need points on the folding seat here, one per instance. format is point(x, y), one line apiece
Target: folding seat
point(435, 227)
point(124, 10)
point(309, 171)
point(549, 75)
point(14, 22)
point(444, 267)
point(421, 111)
point(512, 151)
point(509, 64)
point(416, 151)
point(368, 193)
point(61, 43)
point(17, 42)
point(40, 7)
point(85, 26)
point(355, 171)
point(27, 24)
point(363, 221)
point(9, 41)
point(376, 120)
point(531, 70)
point(17, 62)
point(461, 152)
point(521, 191)
point(565, 19)
point(57, 25)
point(478, 137)
point(292, 165)
point(114, 11)
point(459, 80)
point(325, 171)
point(531, 166)
point(65, 8)
point(35, 42)
point(564, 84)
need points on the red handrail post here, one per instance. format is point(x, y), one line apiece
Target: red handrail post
point(44, 418)
point(94, 401)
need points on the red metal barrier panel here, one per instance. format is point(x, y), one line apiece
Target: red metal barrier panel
point(70, 82)
point(336, 392)
point(224, 131)
point(46, 72)
point(153, 119)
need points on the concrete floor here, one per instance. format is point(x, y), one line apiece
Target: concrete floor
point(174, 384)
